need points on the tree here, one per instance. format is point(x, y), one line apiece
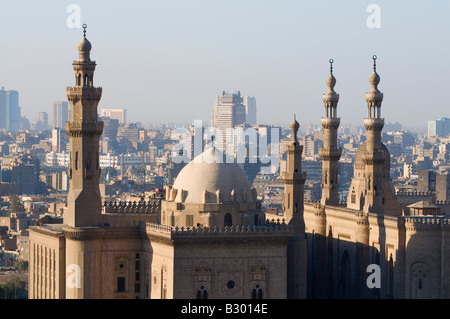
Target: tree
point(21, 265)
point(15, 204)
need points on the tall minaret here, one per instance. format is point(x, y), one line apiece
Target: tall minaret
point(330, 152)
point(373, 156)
point(84, 130)
point(294, 180)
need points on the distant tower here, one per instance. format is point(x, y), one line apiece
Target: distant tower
point(250, 109)
point(294, 181)
point(330, 152)
point(373, 157)
point(84, 199)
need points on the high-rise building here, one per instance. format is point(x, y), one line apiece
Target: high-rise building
point(118, 114)
point(10, 118)
point(60, 114)
point(439, 128)
point(229, 112)
point(41, 122)
point(250, 109)
point(59, 140)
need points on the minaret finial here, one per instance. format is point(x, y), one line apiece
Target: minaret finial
point(331, 66)
point(374, 63)
point(84, 31)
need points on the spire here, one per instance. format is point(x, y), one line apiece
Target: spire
point(331, 80)
point(374, 78)
point(294, 128)
point(374, 97)
point(84, 47)
point(331, 98)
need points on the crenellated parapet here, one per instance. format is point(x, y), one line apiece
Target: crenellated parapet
point(152, 206)
point(426, 223)
point(270, 229)
point(414, 193)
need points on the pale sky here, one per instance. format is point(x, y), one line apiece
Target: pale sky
point(165, 61)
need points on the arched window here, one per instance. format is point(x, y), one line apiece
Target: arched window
point(391, 277)
point(202, 293)
point(344, 280)
point(86, 80)
point(228, 220)
point(257, 293)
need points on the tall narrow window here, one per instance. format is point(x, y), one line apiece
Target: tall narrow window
point(228, 220)
point(76, 160)
point(121, 284)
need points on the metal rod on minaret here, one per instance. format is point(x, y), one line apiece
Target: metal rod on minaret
point(374, 63)
point(331, 66)
point(84, 29)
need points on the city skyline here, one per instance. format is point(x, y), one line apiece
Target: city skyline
point(167, 61)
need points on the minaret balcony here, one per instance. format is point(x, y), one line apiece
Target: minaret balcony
point(84, 92)
point(330, 153)
point(84, 128)
point(330, 123)
point(373, 124)
point(374, 157)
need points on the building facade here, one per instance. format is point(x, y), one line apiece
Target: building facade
point(207, 239)
point(374, 229)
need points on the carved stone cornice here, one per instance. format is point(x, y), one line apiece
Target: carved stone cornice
point(84, 128)
point(102, 233)
point(327, 154)
point(83, 93)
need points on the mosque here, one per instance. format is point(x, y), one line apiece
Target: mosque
point(209, 238)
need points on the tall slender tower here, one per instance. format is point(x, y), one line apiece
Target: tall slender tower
point(330, 152)
point(84, 130)
point(294, 181)
point(373, 157)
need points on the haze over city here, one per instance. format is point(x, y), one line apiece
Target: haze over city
point(165, 61)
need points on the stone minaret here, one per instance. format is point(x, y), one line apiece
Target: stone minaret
point(84, 130)
point(294, 180)
point(330, 152)
point(373, 156)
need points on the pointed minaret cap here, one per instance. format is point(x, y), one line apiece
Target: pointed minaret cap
point(374, 78)
point(331, 80)
point(84, 47)
point(294, 127)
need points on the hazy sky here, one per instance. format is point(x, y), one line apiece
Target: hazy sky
point(165, 61)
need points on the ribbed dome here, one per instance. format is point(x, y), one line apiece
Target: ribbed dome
point(209, 173)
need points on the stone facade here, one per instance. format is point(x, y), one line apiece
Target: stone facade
point(376, 228)
point(207, 239)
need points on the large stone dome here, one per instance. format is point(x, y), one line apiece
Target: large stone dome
point(208, 176)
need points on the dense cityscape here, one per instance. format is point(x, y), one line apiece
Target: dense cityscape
point(225, 150)
point(136, 164)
